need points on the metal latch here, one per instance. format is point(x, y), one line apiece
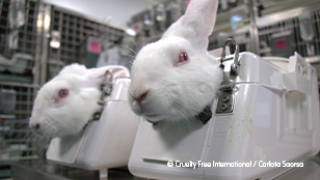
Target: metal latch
point(225, 103)
point(106, 86)
point(226, 100)
point(235, 66)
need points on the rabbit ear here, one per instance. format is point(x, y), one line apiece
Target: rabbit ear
point(197, 23)
point(96, 75)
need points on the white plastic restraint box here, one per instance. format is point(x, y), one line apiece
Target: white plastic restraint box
point(105, 143)
point(270, 118)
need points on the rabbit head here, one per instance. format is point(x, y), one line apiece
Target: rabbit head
point(175, 78)
point(64, 105)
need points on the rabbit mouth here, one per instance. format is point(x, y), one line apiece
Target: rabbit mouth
point(44, 131)
point(153, 118)
point(152, 115)
point(152, 122)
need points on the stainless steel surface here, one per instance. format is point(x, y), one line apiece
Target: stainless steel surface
point(236, 64)
point(45, 18)
point(313, 59)
point(241, 35)
point(38, 47)
point(45, 170)
point(284, 15)
point(274, 6)
point(253, 27)
point(225, 103)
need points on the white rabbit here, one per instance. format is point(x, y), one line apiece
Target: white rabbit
point(64, 105)
point(175, 78)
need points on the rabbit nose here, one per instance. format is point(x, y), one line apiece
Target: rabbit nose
point(141, 96)
point(35, 126)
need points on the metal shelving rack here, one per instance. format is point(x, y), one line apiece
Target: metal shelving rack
point(74, 29)
point(146, 34)
point(289, 21)
point(27, 33)
point(259, 26)
point(176, 8)
point(272, 22)
point(16, 139)
point(258, 31)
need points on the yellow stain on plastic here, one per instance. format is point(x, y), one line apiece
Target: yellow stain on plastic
point(241, 128)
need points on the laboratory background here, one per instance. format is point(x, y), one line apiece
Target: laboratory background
point(38, 38)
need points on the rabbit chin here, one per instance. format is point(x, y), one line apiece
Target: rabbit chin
point(154, 112)
point(57, 126)
point(177, 115)
point(51, 131)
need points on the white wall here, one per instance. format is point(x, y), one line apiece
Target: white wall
point(119, 11)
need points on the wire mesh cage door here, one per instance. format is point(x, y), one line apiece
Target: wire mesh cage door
point(19, 55)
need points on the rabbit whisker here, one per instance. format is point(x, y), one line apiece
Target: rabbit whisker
point(129, 49)
point(135, 44)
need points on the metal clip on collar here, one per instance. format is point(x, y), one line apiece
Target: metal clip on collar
point(106, 88)
point(235, 66)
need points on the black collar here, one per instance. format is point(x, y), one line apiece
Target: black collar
point(205, 115)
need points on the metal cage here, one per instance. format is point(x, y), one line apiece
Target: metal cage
point(269, 26)
point(26, 34)
point(32, 37)
point(16, 139)
point(74, 30)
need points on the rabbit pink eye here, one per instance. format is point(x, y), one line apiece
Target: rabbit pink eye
point(183, 58)
point(63, 93)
